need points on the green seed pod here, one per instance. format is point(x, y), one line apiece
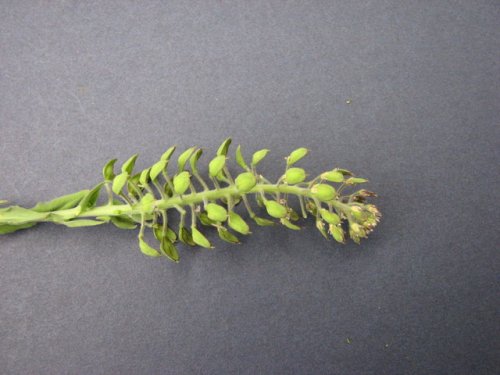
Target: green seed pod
point(183, 158)
point(168, 249)
point(205, 220)
point(146, 249)
point(119, 182)
point(330, 217)
point(147, 202)
point(323, 192)
point(288, 224)
point(167, 154)
point(245, 182)
point(275, 209)
point(258, 156)
point(216, 165)
point(222, 150)
point(296, 155)
point(193, 161)
point(90, 199)
point(128, 166)
point(216, 212)
point(337, 233)
point(158, 232)
point(123, 222)
point(320, 225)
point(200, 239)
point(238, 224)
point(239, 158)
point(295, 175)
point(157, 168)
point(181, 182)
point(355, 181)
point(333, 176)
point(185, 236)
point(226, 235)
point(345, 172)
point(171, 235)
point(108, 170)
point(263, 222)
point(144, 177)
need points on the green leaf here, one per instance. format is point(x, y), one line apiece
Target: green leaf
point(263, 222)
point(119, 182)
point(258, 156)
point(295, 175)
point(237, 223)
point(216, 212)
point(6, 228)
point(108, 170)
point(169, 250)
point(200, 239)
point(239, 158)
point(296, 155)
point(128, 166)
point(227, 236)
point(183, 158)
point(90, 199)
point(146, 249)
point(77, 223)
point(216, 165)
point(193, 161)
point(223, 148)
point(123, 222)
point(181, 182)
point(333, 176)
point(156, 169)
point(275, 209)
point(288, 224)
point(355, 181)
point(245, 182)
point(61, 203)
point(166, 156)
point(3, 201)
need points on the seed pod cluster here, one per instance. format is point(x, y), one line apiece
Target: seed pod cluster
point(146, 198)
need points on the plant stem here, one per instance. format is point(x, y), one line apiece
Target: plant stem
point(177, 201)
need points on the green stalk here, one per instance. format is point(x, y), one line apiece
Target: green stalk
point(210, 207)
point(170, 202)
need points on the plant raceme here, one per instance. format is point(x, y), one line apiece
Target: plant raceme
point(145, 199)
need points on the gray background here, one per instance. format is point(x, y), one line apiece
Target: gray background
point(83, 82)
